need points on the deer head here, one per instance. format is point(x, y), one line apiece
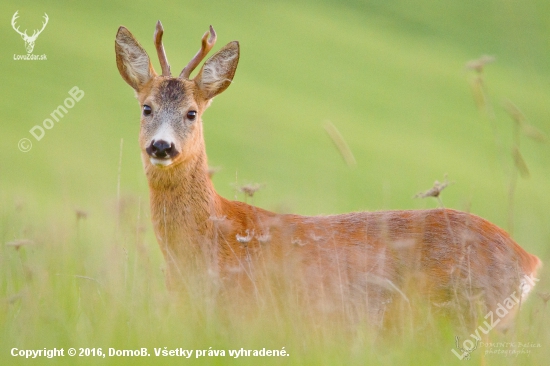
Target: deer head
point(172, 107)
point(29, 40)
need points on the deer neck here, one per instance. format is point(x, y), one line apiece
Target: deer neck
point(183, 200)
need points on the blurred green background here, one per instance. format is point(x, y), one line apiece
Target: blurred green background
point(390, 75)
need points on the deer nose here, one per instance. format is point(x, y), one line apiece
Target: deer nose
point(161, 149)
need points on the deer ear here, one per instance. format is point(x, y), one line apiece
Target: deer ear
point(217, 72)
point(132, 61)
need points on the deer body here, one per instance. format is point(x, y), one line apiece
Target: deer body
point(363, 260)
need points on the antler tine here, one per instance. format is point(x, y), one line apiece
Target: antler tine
point(159, 31)
point(13, 19)
point(46, 18)
point(206, 46)
point(37, 32)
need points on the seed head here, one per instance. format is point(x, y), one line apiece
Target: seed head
point(478, 64)
point(19, 243)
point(435, 191)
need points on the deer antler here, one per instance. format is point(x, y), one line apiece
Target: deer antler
point(206, 46)
point(37, 32)
point(13, 19)
point(159, 31)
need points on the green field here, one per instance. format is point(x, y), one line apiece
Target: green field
point(390, 76)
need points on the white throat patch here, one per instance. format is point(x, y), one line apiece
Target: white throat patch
point(160, 162)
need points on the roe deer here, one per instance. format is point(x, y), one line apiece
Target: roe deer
point(365, 260)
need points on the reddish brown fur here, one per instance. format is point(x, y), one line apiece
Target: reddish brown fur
point(360, 261)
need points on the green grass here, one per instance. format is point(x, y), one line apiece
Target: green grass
point(389, 75)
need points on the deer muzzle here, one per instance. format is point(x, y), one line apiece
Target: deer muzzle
point(161, 152)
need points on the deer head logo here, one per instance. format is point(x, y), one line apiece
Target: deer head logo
point(29, 40)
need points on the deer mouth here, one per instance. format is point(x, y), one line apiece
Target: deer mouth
point(161, 153)
point(161, 162)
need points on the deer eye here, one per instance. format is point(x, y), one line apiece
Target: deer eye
point(147, 110)
point(191, 115)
